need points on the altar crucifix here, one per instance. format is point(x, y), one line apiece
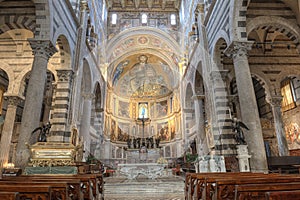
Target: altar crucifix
point(143, 117)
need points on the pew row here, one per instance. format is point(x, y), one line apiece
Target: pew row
point(211, 186)
point(72, 187)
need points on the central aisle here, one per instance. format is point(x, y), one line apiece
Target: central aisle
point(164, 188)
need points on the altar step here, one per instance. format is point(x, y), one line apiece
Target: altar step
point(166, 188)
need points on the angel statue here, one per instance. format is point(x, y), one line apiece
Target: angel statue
point(44, 131)
point(237, 127)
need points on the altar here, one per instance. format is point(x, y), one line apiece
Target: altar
point(150, 170)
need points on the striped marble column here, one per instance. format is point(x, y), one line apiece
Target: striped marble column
point(61, 106)
point(222, 130)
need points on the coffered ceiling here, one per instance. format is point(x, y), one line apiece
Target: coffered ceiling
point(143, 5)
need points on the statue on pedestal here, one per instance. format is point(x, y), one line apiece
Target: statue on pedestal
point(44, 131)
point(237, 127)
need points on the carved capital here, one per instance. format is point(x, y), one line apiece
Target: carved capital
point(238, 49)
point(65, 75)
point(43, 48)
point(88, 96)
point(276, 101)
point(200, 7)
point(219, 75)
point(198, 97)
point(84, 6)
point(13, 100)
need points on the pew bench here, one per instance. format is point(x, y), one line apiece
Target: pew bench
point(41, 192)
point(9, 195)
point(283, 195)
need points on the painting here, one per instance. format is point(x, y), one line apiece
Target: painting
point(163, 131)
point(292, 131)
point(143, 110)
point(161, 109)
point(112, 130)
point(123, 132)
point(123, 109)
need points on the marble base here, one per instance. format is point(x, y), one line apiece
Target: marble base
point(51, 170)
point(150, 170)
point(211, 164)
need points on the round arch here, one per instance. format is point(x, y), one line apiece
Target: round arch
point(291, 30)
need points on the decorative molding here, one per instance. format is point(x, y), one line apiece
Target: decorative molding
point(238, 49)
point(65, 75)
point(13, 100)
point(42, 48)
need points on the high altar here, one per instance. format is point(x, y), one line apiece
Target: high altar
point(143, 162)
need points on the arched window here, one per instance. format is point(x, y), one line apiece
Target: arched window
point(144, 19)
point(288, 93)
point(114, 19)
point(173, 19)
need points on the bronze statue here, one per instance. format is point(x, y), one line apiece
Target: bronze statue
point(237, 127)
point(44, 131)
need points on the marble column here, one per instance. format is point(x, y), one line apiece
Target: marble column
point(201, 137)
point(86, 121)
point(8, 127)
point(275, 102)
point(78, 63)
point(42, 50)
point(248, 105)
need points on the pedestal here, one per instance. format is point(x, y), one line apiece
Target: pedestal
point(212, 163)
point(243, 157)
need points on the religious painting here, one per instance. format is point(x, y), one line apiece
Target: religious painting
point(125, 24)
point(172, 128)
point(143, 110)
point(123, 109)
point(123, 132)
point(161, 109)
point(292, 131)
point(113, 130)
point(163, 131)
point(143, 40)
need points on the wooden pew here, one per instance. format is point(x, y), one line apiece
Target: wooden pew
point(91, 185)
point(282, 195)
point(225, 189)
point(258, 191)
point(9, 195)
point(222, 185)
point(41, 192)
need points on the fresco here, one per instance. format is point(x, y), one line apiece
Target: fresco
point(292, 131)
point(123, 109)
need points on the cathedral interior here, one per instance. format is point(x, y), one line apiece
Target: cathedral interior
point(111, 76)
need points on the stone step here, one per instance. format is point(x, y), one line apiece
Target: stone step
point(160, 186)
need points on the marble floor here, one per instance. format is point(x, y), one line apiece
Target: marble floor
point(142, 188)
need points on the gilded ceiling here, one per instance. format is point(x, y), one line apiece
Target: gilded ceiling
point(143, 5)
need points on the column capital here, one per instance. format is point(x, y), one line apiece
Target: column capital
point(238, 49)
point(200, 7)
point(88, 96)
point(13, 100)
point(198, 97)
point(219, 75)
point(276, 100)
point(65, 75)
point(43, 48)
point(84, 6)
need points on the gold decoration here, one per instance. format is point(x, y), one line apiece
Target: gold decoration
point(52, 154)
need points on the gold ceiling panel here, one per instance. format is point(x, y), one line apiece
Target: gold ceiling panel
point(143, 5)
